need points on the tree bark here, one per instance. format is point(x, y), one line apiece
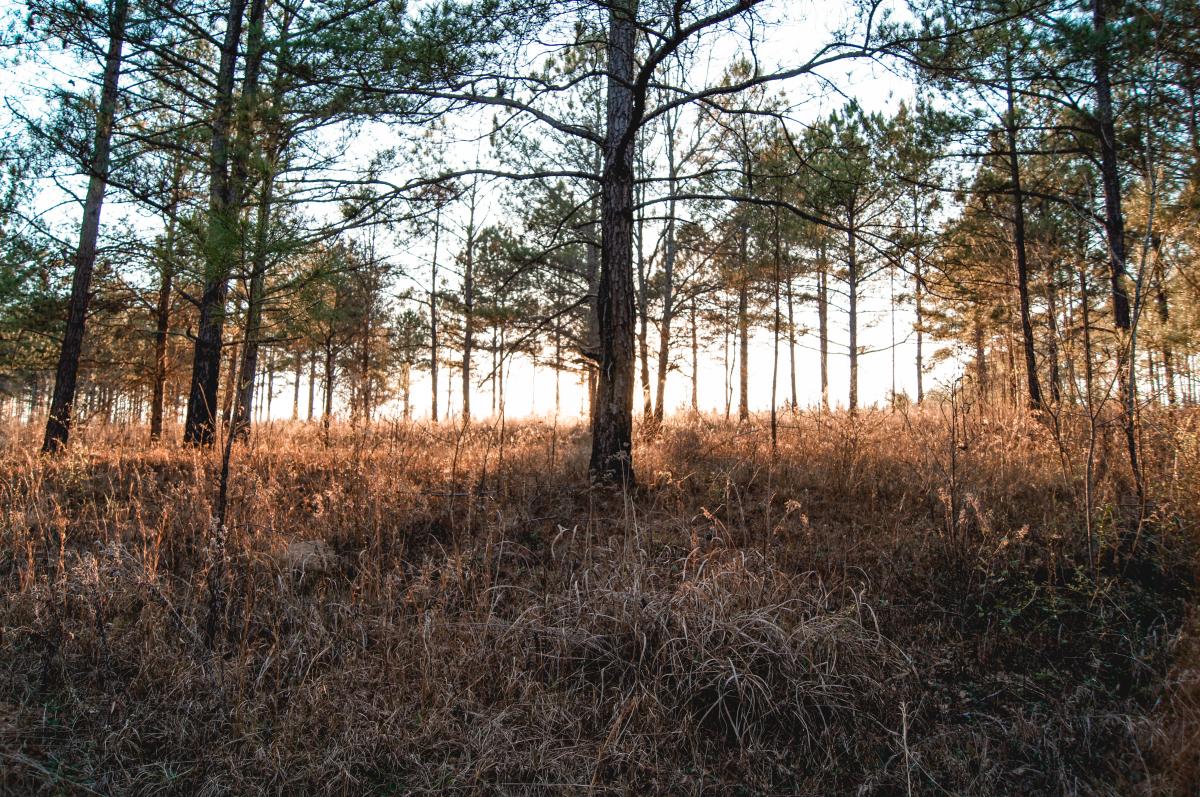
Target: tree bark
point(1020, 254)
point(743, 325)
point(918, 297)
point(1114, 223)
point(852, 274)
point(643, 312)
point(823, 325)
point(433, 321)
point(981, 371)
point(695, 360)
point(1164, 318)
point(469, 315)
point(612, 422)
point(162, 312)
point(220, 246)
point(1085, 309)
point(1052, 337)
point(668, 286)
point(791, 320)
point(312, 384)
point(775, 335)
point(254, 311)
point(298, 372)
point(330, 367)
point(58, 423)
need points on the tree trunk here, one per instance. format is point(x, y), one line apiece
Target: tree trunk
point(330, 367)
point(269, 387)
point(312, 384)
point(643, 301)
point(981, 371)
point(823, 324)
point(695, 360)
point(775, 336)
point(162, 313)
point(791, 320)
point(406, 390)
point(220, 246)
point(468, 316)
point(918, 296)
point(1052, 337)
point(1164, 319)
point(852, 273)
point(726, 362)
point(433, 321)
point(230, 391)
point(1020, 255)
point(1114, 223)
point(743, 325)
point(668, 286)
point(496, 366)
point(58, 423)
point(298, 372)
point(254, 310)
point(1088, 374)
point(612, 420)
point(1114, 220)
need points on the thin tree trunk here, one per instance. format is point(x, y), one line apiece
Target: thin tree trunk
point(727, 367)
point(1164, 318)
point(852, 273)
point(231, 375)
point(162, 314)
point(1052, 337)
point(312, 384)
point(981, 370)
point(775, 342)
point(220, 245)
point(433, 321)
point(1115, 229)
point(823, 324)
point(918, 297)
point(1085, 309)
point(469, 314)
point(791, 320)
point(254, 311)
point(330, 367)
point(643, 301)
point(58, 422)
point(695, 360)
point(1020, 255)
point(668, 286)
point(406, 390)
point(270, 385)
point(743, 323)
point(298, 372)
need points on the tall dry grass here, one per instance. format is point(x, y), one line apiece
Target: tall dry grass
point(890, 603)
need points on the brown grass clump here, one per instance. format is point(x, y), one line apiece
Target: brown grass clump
point(882, 606)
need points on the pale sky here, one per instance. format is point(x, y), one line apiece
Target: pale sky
point(530, 390)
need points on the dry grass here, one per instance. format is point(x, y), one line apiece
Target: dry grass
point(880, 608)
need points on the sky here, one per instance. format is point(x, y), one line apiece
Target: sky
point(883, 365)
point(530, 390)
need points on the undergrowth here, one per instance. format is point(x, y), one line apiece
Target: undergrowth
point(877, 607)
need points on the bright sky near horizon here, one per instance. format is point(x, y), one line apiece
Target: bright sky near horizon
point(883, 365)
point(885, 337)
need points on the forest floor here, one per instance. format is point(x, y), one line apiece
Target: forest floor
point(893, 603)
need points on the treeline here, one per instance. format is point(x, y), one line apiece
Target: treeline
point(573, 183)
